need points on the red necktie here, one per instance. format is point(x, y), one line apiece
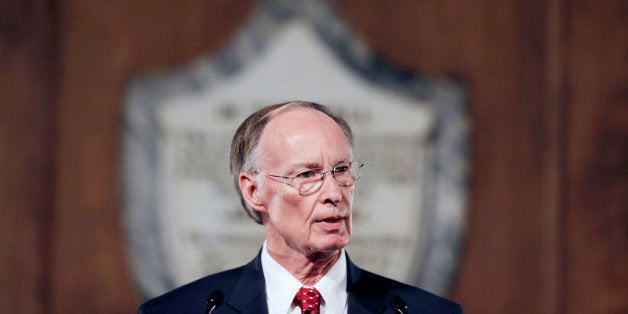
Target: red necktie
point(309, 300)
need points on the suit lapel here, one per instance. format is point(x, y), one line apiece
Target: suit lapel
point(249, 293)
point(360, 300)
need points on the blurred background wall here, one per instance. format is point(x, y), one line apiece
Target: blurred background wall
point(547, 229)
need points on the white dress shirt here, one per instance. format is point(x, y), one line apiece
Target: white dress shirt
point(281, 287)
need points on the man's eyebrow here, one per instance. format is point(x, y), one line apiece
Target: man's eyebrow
point(307, 165)
point(315, 165)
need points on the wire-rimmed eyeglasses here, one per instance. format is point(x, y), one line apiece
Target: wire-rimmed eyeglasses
point(310, 181)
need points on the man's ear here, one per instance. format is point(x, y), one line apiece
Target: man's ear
point(250, 191)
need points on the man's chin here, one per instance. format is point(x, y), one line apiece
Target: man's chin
point(332, 245)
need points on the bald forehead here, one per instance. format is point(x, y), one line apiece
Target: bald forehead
point(301, 119)
point(302, 126)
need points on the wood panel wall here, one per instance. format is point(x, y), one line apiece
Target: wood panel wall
point(547, 230)
point(26, 157)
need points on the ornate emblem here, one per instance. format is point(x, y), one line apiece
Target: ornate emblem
point(182, 214)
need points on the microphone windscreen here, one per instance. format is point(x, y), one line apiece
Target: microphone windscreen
point(396, 303)
point(214, 300)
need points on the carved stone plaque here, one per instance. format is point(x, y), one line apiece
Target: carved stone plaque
point(183, 216)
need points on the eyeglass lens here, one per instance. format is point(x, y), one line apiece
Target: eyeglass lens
point(345, 175)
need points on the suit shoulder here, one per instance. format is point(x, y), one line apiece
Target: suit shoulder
point(193, 293)
point(419, 298)
point(416, 298)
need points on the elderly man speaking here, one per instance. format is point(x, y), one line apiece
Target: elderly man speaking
point(293, 167)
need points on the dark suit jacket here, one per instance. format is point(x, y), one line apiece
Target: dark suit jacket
point(244, 292)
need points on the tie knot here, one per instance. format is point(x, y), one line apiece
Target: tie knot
point(308, 299)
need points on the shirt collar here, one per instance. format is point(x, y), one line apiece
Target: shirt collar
point(281, 286)
point(333, 286)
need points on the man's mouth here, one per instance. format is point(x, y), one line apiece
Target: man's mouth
point(333, 219)
point(332, 224)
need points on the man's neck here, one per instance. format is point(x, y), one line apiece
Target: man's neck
point(307, 268)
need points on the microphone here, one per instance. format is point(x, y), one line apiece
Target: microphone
point(214, 300)
point(396, 303)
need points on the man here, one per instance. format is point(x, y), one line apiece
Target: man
point(294, 170)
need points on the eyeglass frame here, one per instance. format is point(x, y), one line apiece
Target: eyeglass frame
point(322, 175)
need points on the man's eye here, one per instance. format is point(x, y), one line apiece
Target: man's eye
point(306, 174)
point(341, 168)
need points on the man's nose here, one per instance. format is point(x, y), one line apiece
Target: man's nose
point(330, 190)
